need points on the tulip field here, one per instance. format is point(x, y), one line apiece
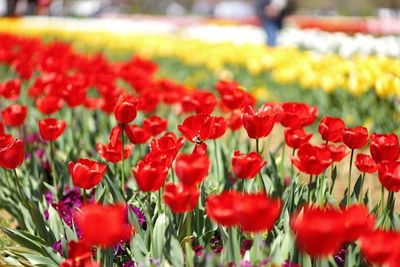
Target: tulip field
point(141, 149)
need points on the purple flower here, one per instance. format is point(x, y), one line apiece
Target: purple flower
point(287, 263)
point(245, 263)
point(57, 247)
point(198, 250)
point(129, 264)
point(139, 215)
point(340, 257)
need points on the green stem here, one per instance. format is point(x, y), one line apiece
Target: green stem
point(217, 160)
point(53, 168)
point(23, 198)
point(122, 162)
point(309, 188)
point(172, 173)
point(188, 225)
point(150, 211)
point(257, 146)
point(291, 166)
point(282, 165)
point(362, 188)
point(382, 202)
point(232, 240)
point(349, 179)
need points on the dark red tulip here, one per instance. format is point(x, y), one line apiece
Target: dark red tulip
point(313, 160)
point(259, 123)
point(2, 130)
point(11, 152)
point(384, 147)
point(125, 109)
point(11, 89)
point(365, 163)
point(50, 129)
point(247, 166)
point(298, 115)
point(166, 147)
point(320, 231)
point(219, 127)
point(113, 152)
point(14, 115)
point(296, 138)
point(257, 212)
point(389, 175)
point(357, 222)
point(355, 138)
point(331, 128)
point(109, 220)
point(148, 100)
point(181, 198)
point(337, 152)
point(150, 175)
point(136, 134)
point(74, 95)
point(197, 128)
point(155, 125)
point(49, 104)
point(191, 169)
point(86, 173)
point(221, 208)
point(381, 247)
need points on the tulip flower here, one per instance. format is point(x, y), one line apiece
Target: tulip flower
point(11, 89)
point(50, 129)
point(155, 125)
point(197, 128)
point(125, 109)
point(337, 152)
point(86, 173)
point(113, 152)
point(103, 225)
point(298, 115)
point(355, 138)
point(331, 128)
point(14, 115)
point(221, 208)
point(384, 147)
point(259, 123)
point(191, 169)
point(235, 121)
point(79, 254)
point(313, 160)
point(247, 166)
point(11, 152)
point(218, 128)
point(389, 175)
point(199, 102)
point(136, 134)
point(381, 247)
point(49, 104)
point(150, 175)
point(232, 96)
point(181, 198)
point(296, 138)
point(365, 163)
point(357, 222)
point(166, 146)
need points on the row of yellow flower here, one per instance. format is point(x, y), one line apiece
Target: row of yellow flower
point(287, 65)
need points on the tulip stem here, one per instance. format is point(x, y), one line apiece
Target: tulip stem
point(232, 241)
point(19, 186)
point(349, 180)
point(282, 163)
point(123, 162)
point(362, 187)
point(257, 146)
point(149, 206)
point(172, 173)
point(53, 165)
point(382, 202)
point(217, 160)
point(292, 168)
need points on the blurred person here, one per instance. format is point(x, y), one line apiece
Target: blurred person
point(233, 9)
point(272, 14)
point(203, 7)
point(11, 8)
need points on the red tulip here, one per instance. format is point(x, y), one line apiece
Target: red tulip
point(337, 152)
point(50, 129)
point(331, 129)
point(247, 166)
point(319, 231)
point(235, 121)
point(136, 134)
point(79, 255)
point(11, 152)
point(125, 109)
point(232, 96)
point(2, 130)
point(155, 125)
point(148, 100)
point(312, 160)
point(14, 115)
point(199, 102)
point(355, 138)
point(296, 138)
point(381, 247)
point(166, 147)
point(181, 198)
point(384, 147)
point(191, 169)
point(103, 225)
point(49, 104)
point(11, 89)
point(86, 173)
point(74, 94)
point(298, 115)
point(365, 163)
point(257, 212)
point(221, 208)
point(150, 175)
point(357, 222)
point(219, 127)
point(197, 128)
point(259, 123)
point(113, 152)
point(389, 175)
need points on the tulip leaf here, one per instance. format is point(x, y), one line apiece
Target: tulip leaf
point(158, 241)
point(114, 189)
point(139, 250)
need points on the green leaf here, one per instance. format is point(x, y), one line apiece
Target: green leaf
point(114, 189)
point(158, 242)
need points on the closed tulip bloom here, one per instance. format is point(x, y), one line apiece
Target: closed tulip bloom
point(50, 129)
point(11, 152)
point(181, 198)
point(337, 152)
point(296, 138)
point(355, 138)
point(384, 147)
point(357, 222)
point(125, 109)
point(11, 89)
point(219, 127)
point(221, 208)
point(86, 173)
point(365, 163)
point(197, 128)
point(113, 152)
point(330, 129)
point(257, 212)
point(191, 169)
point(312, 160)
point(232, 96)
point(319, 231)
point(380, 247)
point(389, 175)
point(298, 115)
point(136, 134)
point(150, 175)
point(49, 104)
point(259, 123)
point(103, 225)
point(155, 125)
point(235, 121)
point(14, 115)
point(247, 166)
